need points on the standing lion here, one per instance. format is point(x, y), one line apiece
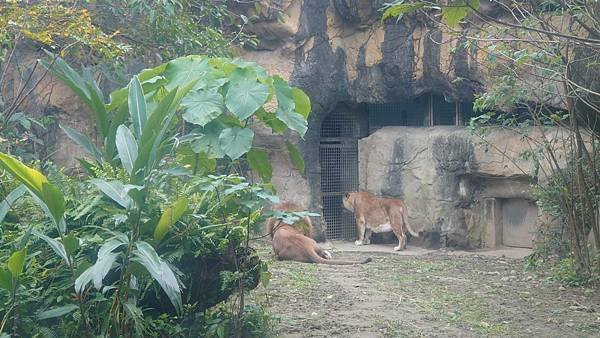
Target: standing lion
point(378, 214)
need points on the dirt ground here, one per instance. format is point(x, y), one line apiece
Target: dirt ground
point(431, 294)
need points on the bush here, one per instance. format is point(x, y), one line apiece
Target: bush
point(152, 235)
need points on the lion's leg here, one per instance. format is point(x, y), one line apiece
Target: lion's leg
point(398, 229)
point(360, 230)
point(368, 233)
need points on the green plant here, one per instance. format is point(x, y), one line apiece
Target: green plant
point(149, 221)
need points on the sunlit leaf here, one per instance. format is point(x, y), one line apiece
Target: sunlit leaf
point(169, 217)
point(16, 262)
point(37, 184)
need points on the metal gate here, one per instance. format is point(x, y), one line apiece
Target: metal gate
point(339, 172)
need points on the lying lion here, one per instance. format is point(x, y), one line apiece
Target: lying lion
point(292, 244)
point(378, 214)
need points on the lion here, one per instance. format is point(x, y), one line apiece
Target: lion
point(292, 242)
point(378, 214)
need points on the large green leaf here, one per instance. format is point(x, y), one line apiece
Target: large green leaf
point(84, 142)
point(171, 215)
point(202, 106)
point(301, 102)
point(116, 190)
point(236, 141)
point(16, 262)
point(181, 71)
point(37, 184)
point(160, 271)
point(245, 97)
point(293, 120)
point(209, 141)
point(97, 272)
point(10, 199)
point(137, 106)
point(127, 147)
point(56, 246)
point(260, 164)
point(57, 311)
point(295, 157)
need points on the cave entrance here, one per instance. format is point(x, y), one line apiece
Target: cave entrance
point(338, 154)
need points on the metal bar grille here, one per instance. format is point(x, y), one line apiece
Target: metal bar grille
point(339, 173)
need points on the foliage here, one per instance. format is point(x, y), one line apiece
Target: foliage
point(56, 24)
point(144, 234)
point(172, 28)
point(452, 12)
point(220, 97)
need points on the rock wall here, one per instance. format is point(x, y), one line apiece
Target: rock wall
point(339, 51)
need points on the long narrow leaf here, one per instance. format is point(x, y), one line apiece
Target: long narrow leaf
point(37, 183)
point(160, 271)
point(97, 272)
point(57, 312)
point(83, 141)
point(68, 76)
point(56, 246)
point(10, 199)
point(127, 147)
point(137, 106)
point(169, 217)
point(98, 108)
point(115, 190)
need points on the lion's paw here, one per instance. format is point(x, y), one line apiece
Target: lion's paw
point(327, 254)
point(397, 248)
point(358, 243)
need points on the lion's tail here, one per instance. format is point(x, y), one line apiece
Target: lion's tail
point(318, 259)
point(408, 227)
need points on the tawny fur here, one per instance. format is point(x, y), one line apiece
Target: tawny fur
point(291, 244)
point(375, 214)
